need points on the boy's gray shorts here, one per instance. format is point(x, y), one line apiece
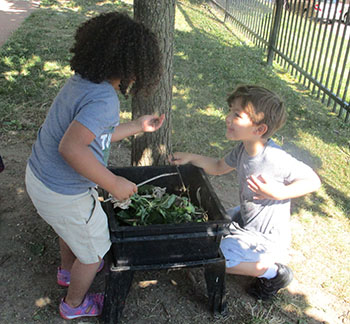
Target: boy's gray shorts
point(247, 246)
point(78, 219)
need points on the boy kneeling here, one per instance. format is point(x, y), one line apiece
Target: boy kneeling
point(258, 238)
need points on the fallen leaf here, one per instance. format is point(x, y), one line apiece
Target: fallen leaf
point(173, 282)
point(146, 283)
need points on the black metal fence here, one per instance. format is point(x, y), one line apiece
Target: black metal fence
point(309, 38)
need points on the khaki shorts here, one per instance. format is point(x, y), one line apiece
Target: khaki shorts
point(78, 219)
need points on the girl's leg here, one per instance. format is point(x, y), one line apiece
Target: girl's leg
point(81, 279)
point(67, 256)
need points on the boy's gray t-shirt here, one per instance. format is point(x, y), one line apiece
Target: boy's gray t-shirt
point(268, 217)
point(96, 106)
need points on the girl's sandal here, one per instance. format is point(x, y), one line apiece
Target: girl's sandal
point(91, 306)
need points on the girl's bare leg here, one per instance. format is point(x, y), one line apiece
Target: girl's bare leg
point(67, 256)
point(81, 279)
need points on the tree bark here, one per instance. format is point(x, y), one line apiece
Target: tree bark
point(153, 148)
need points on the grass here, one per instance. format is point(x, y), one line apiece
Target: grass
point(323, 55)
point(318, 48)
point(210, 60)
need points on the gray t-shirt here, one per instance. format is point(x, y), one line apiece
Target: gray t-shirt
point(268, 217)
point(96, 106)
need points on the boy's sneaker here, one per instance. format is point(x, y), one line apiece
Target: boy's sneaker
point(63, 276)
point(265, 289)
point(91, 306)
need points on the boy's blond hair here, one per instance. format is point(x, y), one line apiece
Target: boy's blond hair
point(262, 106)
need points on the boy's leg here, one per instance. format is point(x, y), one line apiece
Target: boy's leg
point(269, 279)
point(245, 257)
point(82, 276)
point(67, 256)
point(263, 288)
point(253, 269)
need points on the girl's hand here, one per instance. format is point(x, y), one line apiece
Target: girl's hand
point(123, 188)
point(151, 123)
point(265, 189)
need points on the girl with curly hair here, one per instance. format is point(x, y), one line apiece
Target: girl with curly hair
point(112, 52)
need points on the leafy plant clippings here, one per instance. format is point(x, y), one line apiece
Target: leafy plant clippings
point(148, 208)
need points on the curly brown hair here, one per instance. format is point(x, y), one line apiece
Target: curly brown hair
point(114, 46)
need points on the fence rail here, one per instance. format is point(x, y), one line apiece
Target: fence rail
point(309, 38)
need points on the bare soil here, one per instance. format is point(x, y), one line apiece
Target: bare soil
point(29, 258)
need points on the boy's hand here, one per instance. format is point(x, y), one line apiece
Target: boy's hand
point(151, 123)
point(265, 189)
point(123, 188)
point(179, 158)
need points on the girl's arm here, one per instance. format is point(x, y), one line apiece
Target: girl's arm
point(146, 123)
point(74, 148)
point(210, 165)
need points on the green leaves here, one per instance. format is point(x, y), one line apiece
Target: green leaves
point(148, 208)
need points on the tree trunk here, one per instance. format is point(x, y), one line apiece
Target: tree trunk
point(153, 148)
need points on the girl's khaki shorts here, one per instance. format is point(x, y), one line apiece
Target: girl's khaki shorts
point(78, 219)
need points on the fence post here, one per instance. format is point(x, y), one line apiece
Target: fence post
point(226, 10)
point(274, 31)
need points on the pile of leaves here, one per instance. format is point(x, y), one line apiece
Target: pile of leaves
point(152, 205)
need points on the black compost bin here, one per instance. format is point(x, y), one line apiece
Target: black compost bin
point(169, 243)
point(166, 246)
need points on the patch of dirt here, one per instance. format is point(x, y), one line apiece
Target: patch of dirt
point(29, 257)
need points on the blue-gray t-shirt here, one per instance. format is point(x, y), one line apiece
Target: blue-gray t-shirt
point(96, 106)
point(268, 217)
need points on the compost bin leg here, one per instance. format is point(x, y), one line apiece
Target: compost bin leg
point(118, 284)
point(215, 279)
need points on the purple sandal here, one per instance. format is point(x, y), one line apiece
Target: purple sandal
point(91, 306)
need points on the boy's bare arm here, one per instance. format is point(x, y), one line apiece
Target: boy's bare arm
point(210, 165)
point(270, 189)
point(146, 123)
point(74, 148)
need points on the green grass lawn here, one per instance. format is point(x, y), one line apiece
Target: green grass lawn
point(210, 60)
point(318, 48)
